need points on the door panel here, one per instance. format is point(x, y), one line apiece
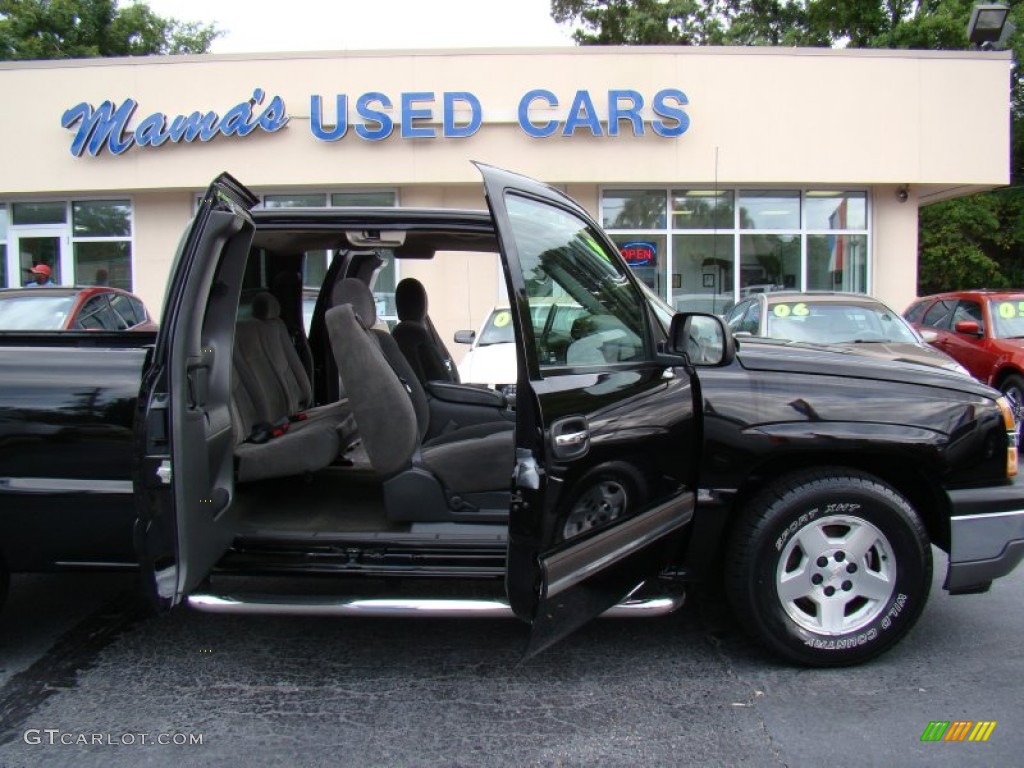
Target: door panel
point(605, 430)
point(185, 482)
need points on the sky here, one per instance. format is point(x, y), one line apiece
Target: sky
point(323, 25)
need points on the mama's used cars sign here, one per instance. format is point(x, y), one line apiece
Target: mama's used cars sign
point(374, 116)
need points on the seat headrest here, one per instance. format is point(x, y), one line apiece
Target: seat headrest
point(357, 294)
point(411, 300)
point(265, 306)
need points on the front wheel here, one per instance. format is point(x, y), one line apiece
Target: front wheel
point(829, 567)
point(1013, 387)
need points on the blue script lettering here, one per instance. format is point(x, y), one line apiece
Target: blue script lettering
point(106, 126)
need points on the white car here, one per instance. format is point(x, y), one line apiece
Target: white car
point(491, 360)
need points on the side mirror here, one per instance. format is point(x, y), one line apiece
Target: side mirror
point(929, 337)
point(465, 337)
point(968, 327)
point(703, 339)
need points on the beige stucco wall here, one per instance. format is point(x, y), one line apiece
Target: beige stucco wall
point(937, 122)
point(770, 115)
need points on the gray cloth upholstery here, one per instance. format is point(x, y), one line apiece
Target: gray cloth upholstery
point(416, 337)
point(268, 387)
point(473, 464)
point(357, 294)
point(392, 411)
point(381, 406)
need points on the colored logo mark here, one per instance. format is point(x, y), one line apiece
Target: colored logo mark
point(958, 730)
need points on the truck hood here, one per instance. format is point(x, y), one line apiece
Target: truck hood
point(853, 362)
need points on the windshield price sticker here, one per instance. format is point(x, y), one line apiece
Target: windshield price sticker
point(501, 319)
point(1010, 309)
point(796, 310)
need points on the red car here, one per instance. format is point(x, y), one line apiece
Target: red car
point(67, 308)
point(981, 330)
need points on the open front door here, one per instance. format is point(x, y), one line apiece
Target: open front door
point(606, 437)
point(184, 482)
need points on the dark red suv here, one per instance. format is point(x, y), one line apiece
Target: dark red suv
point(981, 330)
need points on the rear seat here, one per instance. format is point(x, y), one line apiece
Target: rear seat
point(272, 389)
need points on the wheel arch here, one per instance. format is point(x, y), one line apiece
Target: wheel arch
point(1003, 372)
point(908, 478)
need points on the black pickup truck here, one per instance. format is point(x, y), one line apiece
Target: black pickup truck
point(242, 466)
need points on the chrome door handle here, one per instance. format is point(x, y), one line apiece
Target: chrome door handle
point(572, 438)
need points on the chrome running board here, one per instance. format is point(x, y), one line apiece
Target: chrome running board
point(393, 607)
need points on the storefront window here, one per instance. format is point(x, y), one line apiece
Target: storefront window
point(384, 199)
point(702, 273)
point(3, 246)
point(837, 263)
point(836, 210)
point(102, 218)
point(647, 257)
point(719, 246)
point(104, 262)
point(295, 201)
point(633, 209)
point(769, 209)
point(702, 209)
point(769, 263)
point(101, 242)
point(39, 213)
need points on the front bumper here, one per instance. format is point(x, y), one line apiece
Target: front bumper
point(986, 536)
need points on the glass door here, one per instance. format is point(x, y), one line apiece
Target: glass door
point(29, 248)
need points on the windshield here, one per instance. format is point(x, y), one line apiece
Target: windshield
point(497, 329)
point(832, 323)
point(1007, 318)
point(34, 313)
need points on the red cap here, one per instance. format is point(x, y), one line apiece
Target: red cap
point(41, 269)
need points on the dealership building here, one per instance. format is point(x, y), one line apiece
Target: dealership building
point(720, 172)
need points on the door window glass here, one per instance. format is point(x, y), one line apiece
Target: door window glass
point(39, 250)
point(96, 315)
point(124, 309)
point(969, 310)
point(939, 315)
point(579, 281)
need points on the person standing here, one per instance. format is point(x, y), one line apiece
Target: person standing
point(41, 276)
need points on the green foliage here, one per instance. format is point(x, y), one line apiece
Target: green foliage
point(964, 243)
point(63, 29)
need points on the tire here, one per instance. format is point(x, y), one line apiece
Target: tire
point(605, 494)
point(829, 567)
point(1013, 387)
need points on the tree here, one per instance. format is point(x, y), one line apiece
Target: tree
point(966, 242)
point(63, 29)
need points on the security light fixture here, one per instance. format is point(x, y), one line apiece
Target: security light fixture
point(987, 23)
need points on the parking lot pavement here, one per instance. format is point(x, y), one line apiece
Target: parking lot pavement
point(683, 690)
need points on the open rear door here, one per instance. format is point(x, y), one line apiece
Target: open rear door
point(606, 442)
point(184, 481)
